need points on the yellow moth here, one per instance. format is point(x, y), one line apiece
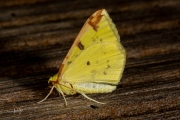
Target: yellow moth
point(94, 63)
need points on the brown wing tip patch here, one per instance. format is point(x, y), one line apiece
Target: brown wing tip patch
point(94, 19)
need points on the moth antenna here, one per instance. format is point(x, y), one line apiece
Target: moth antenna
point(91, 98)
point(47, 95)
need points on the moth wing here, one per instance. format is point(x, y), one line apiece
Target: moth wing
point(96, 55)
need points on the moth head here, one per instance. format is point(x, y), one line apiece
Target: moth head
point(53, 79)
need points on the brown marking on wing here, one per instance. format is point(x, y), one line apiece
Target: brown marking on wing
point(71, 85)
point(60, 70)
point(108, 66)
point(66, 57)
point(69, 62)
point(80, 46)
point(88, 63)
point(94, 19)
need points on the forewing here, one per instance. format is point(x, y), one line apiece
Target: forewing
point(96, 55)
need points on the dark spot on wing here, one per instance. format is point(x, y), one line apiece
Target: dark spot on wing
point(104, 73)
point(69, 62)
point(88, 63)
point(81, 46)
point(93, 71)
point(71, 85)
point(76, 55)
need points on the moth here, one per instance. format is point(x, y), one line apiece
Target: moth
point(95, 61)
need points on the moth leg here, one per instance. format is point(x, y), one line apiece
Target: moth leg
point(47, 95)
point(59, 90)
point(90, 98)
